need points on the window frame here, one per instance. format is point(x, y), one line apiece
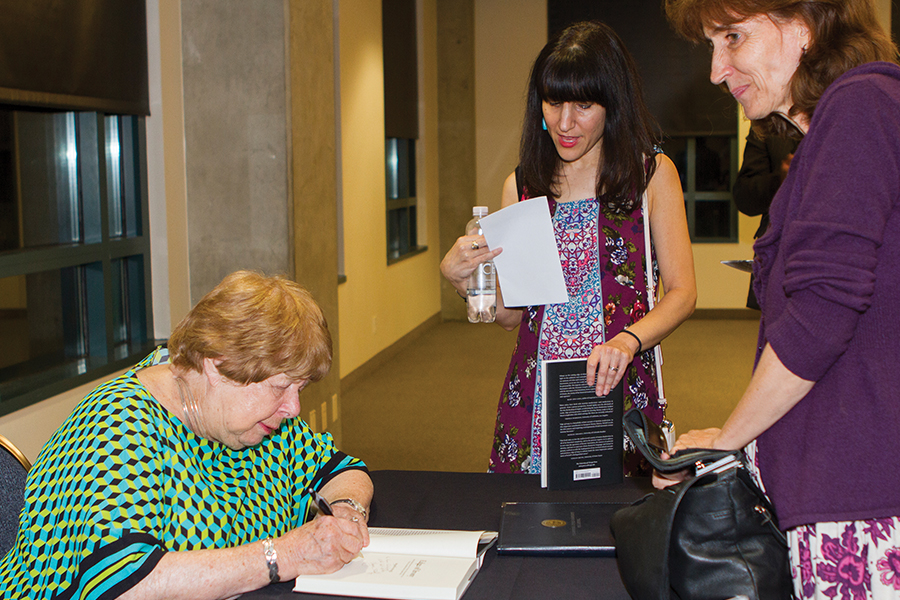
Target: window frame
point(692, 197)
point(22, 384)
point(401, 198)
point(401, 52)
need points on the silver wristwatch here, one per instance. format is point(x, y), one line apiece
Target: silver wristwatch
point(354, 505)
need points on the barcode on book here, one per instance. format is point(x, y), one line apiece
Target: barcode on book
point(580, 474)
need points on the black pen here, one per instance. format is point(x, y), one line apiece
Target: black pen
point(321, 502)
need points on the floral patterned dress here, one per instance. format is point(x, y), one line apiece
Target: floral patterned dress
point(603, 260)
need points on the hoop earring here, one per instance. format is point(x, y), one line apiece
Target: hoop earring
point(544, 123)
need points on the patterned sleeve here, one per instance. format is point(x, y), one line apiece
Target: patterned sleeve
point(338, 463)
point(320, 462)
point(115, 568)
point(91, 525)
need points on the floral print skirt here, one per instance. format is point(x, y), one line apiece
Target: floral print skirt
point(844, 560)
point(849, 560)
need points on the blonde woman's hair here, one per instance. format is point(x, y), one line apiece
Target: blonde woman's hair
point(257, 326)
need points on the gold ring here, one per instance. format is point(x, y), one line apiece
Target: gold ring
point(475, 246)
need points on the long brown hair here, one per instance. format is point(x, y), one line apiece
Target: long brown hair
point(844, 35)
point(587, 62)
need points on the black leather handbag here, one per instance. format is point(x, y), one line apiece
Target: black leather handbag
point(711, 537)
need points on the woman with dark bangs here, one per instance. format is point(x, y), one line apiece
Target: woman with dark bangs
point(588, 145)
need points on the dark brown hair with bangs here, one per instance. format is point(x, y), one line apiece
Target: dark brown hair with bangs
point(844, 34)
point(587, 62)
point(258, 327)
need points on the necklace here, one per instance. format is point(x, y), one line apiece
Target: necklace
point(189, 407)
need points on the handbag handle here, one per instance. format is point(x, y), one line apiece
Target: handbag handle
point(640, 430)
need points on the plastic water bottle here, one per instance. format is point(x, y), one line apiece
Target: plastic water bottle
point(481, 294)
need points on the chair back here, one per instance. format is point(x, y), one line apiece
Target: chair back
point(13, 471)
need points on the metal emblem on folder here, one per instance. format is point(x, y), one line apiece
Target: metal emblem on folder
point(553, 523)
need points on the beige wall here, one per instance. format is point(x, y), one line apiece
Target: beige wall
point(719, 286)
point(167, 185)
point(378, 303)
point(314, 185)
point(12, 293)
point(508, 36)
point(456, 132)
point(883, 7)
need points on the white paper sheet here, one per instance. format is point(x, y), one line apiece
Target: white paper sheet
point(528, 269)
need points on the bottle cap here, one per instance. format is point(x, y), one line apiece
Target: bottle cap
point(479, 211)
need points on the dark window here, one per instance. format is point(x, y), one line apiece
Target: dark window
point(401, 125)
point(707, 166)
point(400, 176)
point(74, 251)
point(674, 72)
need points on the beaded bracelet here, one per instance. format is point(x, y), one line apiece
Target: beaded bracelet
point(271, 559)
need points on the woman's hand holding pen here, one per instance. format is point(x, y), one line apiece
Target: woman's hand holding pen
point(323, 545)
point(328, 542)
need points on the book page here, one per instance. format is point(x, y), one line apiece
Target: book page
point(410, 564)
point(426, 542)
point(402, 576)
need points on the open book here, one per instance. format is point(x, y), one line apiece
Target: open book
point(407, 564)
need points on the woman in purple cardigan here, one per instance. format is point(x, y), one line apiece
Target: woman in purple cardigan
point(823, 405)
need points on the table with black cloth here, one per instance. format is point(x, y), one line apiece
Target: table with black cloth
point(471, 501)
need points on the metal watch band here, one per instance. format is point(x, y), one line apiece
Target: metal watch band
point(271, 559)
point(354, 505)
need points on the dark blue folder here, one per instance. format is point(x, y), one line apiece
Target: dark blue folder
point(558, 528)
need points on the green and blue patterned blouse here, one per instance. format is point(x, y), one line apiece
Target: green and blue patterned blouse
point(123, 481)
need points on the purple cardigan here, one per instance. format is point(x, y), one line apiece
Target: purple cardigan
point(828, 280)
